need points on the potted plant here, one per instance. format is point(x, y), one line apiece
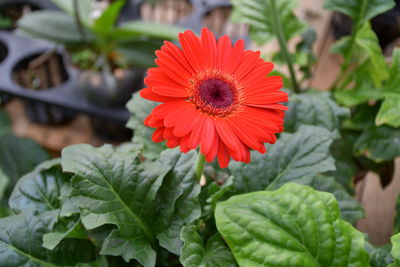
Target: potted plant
point(110, 58)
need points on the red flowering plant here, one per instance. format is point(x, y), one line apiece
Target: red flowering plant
point(284, 200)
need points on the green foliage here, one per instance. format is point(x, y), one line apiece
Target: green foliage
point(140, 108)
point(395, 250)
point(294, 224)
point(262, 29)
point(359, 10)
point(297, 157)
point(379, 143)
point(142, 200)
point(314, 108)
point(213, 254)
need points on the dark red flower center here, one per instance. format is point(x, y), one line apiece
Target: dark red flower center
point(216, 92)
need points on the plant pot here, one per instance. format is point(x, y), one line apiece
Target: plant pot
point(4, 98)
point(107, 89)
point(42, 72)
point(110, 131)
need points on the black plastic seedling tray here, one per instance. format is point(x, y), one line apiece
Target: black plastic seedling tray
point(68, 95)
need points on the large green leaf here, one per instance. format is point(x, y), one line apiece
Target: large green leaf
point(40, 189)
point(262, 27)
point(293, 226)
point(315, 108)
point(178, 198)
point(21, 241)
point(350, 210)
point(115, 189)
point(54, 26)
point(139, 53)
point(140, 108)
point(379, 143)
point(19, 156)
point(213, 254)
point(362, 10)
point(294, 157)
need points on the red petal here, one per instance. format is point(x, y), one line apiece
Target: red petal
point(235, 56)
point(158, 135)
point(207, 136)
point(195, 136)
point(146, 93)
point(224, 48)
point(209, 47)
point(177, 53)
point(192, 49)
point(223, 155)
point(226, 134)
point(210, 156)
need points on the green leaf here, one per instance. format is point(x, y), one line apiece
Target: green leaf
point(115, 189)
point(195, 253)
point(350, 210)
point(178, 198)
point(53, 239)
point(53, 26)
point(140, 108)
point(262, 29)
point(293, 226)
point(19, 156)
point(4, 181)
point(368, 54)
point(104, 24)
point(314, 108)
point(21, 241)
point(294, 157)
point(362, 10)
point(379, 143)
point(396, 249)
point(5, 123)
point(389, 113)
point(379, 256)
point(84, 8)
point(140, 28)
point(358, 95)
point(40, 189)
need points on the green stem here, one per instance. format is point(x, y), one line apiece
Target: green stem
point(283, 45)
point(201, 160)
point(348, 56)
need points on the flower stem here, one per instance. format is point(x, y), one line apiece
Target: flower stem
point(282, 43)
point(201, 160)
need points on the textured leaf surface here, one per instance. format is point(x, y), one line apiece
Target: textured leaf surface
point(262, 29)
point(359, 9)
point(350, 210)
point(293, 226)
point(21, 241)
point(178, 198)
point(313, 109)
point(395, 250)
point(19, 156)
point(294, 157)
point(379, 143)
point(40, 189)
point(115, 189)
point(213, 254)
point(379, 256)
point(140, 108)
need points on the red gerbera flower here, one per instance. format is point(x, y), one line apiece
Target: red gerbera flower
point(214, 95)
